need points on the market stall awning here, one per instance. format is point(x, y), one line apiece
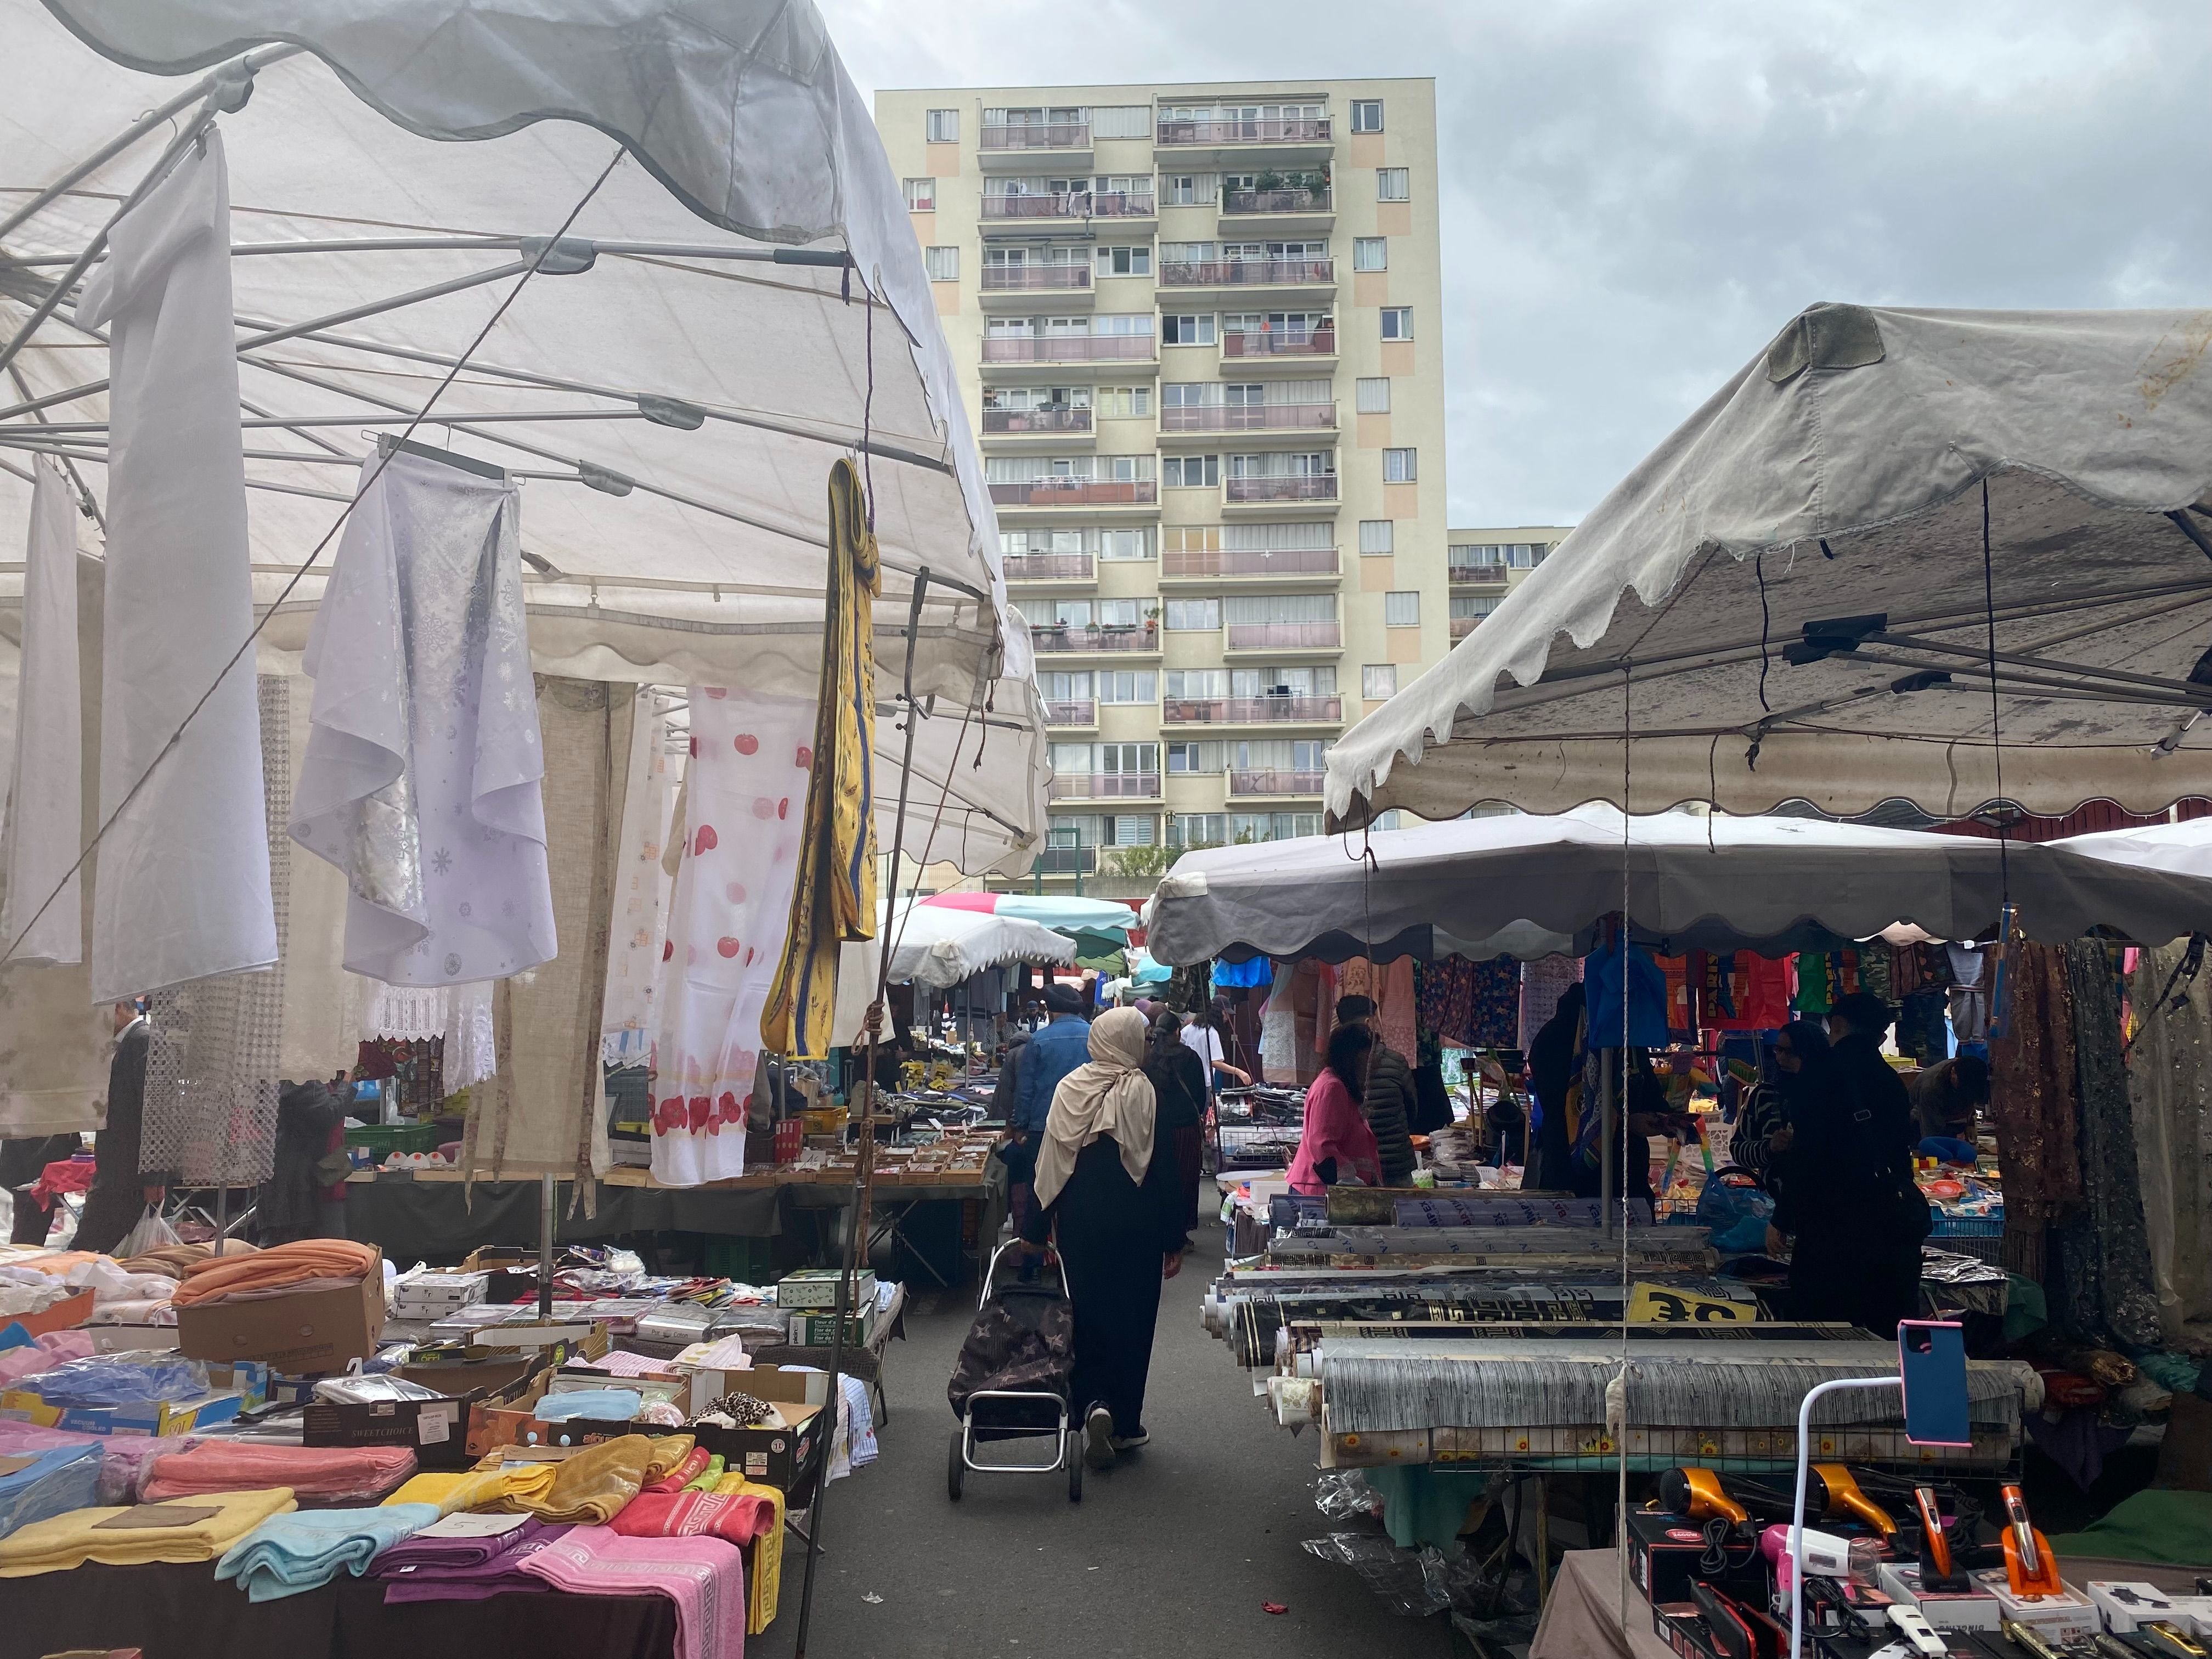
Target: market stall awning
point(1793, 596)
point(737, 303)
point(1067, 913)
point(2179, 849)
point(937, 947)
point(1500, 885)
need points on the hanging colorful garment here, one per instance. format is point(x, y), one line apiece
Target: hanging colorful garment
point(2169, 1078)
point(1444, 999)
point(1875, 957)
point(1924, 1027)
point(1543, 983)
point(2032, 1083)
point(1646, 998)
point(2111, 1229)
point(1737, 991)
point(1493, 1019)
point(833, 901)
point(1813, 995)
point(1681, 1006)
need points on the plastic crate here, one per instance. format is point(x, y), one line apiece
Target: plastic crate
point(386, 1138)
point(748, 1260)
point(1981, 1236)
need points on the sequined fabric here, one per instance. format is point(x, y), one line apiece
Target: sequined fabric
point(2032, 1083)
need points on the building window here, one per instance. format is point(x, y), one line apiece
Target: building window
point(1367, 115)
point(1189, 189)
point(1392, 185)
point(944, 263)
point(1125, 401)
point(1125, 544)
point(1188, 331)
point(1370, 253)
point(1397, 322)
point(1402, 610)
point(921, 195)
point(1378, 681)
point(1130, 831)
point(1121, 121)
point(1194, 471)
point(1193, 616)
point(1377, 536)
point(1124, 261)
point(1187, 829)
point(1198, 683)
point(1374, 394)
point(1474, 607)
point(1139, 685)
point(945, 126)
point(1399, 466)
point(1195, 758)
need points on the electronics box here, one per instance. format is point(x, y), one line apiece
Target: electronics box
point(817, 1288)
point(2126, 1604)
point(2058, 1619)
point(1972, 1609)
point(1665, 1553)
point(433, 1292)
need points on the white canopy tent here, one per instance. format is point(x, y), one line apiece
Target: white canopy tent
point(671, 385)
point(2180, 850)
point(1523, 884)
point(938, 948)
point(1789, 598)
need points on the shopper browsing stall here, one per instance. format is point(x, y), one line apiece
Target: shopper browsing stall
point(1178, 1080)
point(1336, 1147)
point(1386, 1094)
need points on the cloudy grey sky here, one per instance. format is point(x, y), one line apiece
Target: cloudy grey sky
point(1637, 194)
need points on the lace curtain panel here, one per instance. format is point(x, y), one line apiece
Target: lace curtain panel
point(2170, 1087)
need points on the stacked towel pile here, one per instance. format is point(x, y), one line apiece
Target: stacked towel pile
point(198, 1530)
point(465, 1557)
point(53, 1482)
point(305, 1549)
point(309, 1264)
point(320, 1477)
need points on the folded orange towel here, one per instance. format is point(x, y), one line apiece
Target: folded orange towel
point(274, 1269)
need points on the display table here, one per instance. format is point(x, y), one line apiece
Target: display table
point(182, 1612)
point(432, 1215)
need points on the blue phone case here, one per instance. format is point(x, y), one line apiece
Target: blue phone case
point(1931, 1362)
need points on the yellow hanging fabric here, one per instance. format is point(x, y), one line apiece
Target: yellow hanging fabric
point(833, 899)
point(766, 1564)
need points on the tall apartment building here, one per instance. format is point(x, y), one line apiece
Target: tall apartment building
point(1486, 565)
point(1201, 328)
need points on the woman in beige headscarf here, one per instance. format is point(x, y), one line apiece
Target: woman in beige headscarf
point(1113, 1209)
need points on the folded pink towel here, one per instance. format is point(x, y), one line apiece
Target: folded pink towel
point(316, 1474)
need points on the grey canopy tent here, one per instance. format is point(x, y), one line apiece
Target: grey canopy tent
point(1527, 885)
point(1811, 588)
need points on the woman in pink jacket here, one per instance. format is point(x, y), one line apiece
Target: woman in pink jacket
point(1336, 1147)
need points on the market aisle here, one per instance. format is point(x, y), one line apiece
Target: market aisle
point(1170, 1554)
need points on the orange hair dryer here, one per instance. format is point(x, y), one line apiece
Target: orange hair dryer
point(1839, 1495)
point(2030, 1570)
point(1698, 1494)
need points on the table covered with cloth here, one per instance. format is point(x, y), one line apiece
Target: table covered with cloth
point(1581, 1615)
point(183, 1612)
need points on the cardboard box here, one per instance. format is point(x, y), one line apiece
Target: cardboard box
point(150, 1417)
point(1664, 1554)
point(817, 1288)
point(303, 1331)
point(433, 1293)
point(819, 1330)
point(2061, 1620)
point(2126, 1603)
point(779, 1457)
point(64, 1315)
point(1974, 1610)
point(436, 1430)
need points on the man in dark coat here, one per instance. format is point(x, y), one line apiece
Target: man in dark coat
point(1388, 1100)
point(1551, 1074)
point(118, 1197)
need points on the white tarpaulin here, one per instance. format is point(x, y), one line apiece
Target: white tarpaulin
point(1787, 598)
point(1694, 882)
point(669, 388)
point(183, 890)
point(45, 816)
point(2179, 849)
point(937, 947)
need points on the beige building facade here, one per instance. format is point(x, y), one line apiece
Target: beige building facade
point(1484, 566)
point(1200, 327)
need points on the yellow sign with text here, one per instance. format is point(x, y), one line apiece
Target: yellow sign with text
point(1661, 1305)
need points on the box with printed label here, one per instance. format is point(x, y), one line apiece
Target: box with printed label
point(819, 1330)
point(1969, 1609)
point(292, 1331)
point(817, 1287)
point(2072, 1617)
point(2127, 1603)
point(433, 1293)
point(436, 1430)
point(148, 1417)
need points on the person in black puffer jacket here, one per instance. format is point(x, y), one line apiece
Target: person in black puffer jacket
point(1389, 1098)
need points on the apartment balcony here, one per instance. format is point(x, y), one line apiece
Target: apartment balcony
point(1053, 639)
point(1051, 568)
point(1478, 575)
point(1066, 861)
point(1108, 786)
point(1303, 138)
point(1069, 206)
point(1084, 712)
point(1299, 490)
point(1292, 210)
point(1245, 785)
point(1252, 711)
point(1124, 497)
point(1247, 564)
point(1050, 359)
point(1300, 351)
point(1208, 421)
point(1019, 289)
point(1279, 278)
point(1462, 626)
point(1014, 425)
point(1322, 637)
point(1019, 146)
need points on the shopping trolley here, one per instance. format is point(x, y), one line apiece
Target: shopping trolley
point(1012, 1379)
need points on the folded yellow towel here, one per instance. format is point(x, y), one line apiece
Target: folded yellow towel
point(591, 1487)
point(764, 1572)
point(180, 1530)
point(478, 1488)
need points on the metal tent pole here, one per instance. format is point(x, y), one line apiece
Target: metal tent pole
point(548, 1204)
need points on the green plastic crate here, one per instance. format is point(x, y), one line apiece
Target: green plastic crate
point(748, 1260)
point(386, 1138)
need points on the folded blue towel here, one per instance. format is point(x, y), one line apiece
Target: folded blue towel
point(599, 1404)
point(53, 1483)
point(306, 1549)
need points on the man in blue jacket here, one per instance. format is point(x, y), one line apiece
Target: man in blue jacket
point(1050, 1055)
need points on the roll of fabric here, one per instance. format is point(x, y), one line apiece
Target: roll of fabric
point(316, 1474)
point(305, 1549)
point(199, 1529)
point(221, 1278)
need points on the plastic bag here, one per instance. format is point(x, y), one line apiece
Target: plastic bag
point(152, 1233)
point(1395, 1575)
point(1345, 1495)
point(1737, 1208)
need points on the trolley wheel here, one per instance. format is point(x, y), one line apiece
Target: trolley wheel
point(956, 1468)
point(1075, 1467)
